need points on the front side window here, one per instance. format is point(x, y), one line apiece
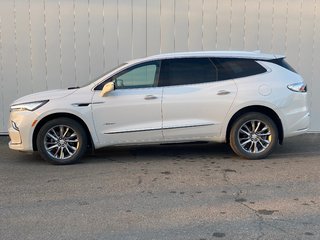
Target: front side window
point(140, 76)
point(183, 71)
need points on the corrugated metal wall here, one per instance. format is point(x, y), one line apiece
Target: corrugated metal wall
point(47, 44)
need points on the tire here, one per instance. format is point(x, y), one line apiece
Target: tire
point(62, 141)
point(253, 136)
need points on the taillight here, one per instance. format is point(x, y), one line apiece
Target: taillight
point(298, 87)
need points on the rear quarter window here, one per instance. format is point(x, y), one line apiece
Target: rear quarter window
point(230, 68)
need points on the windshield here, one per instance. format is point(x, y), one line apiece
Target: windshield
point(101, 75)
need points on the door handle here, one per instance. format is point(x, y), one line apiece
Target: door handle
point(223, 92)
point(150, 97)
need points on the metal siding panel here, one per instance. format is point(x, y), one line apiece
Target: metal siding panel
point(81, 42)
point(293, 29)
point(38, 46)
point(53, 44)
point(237, 23)
point(209, 24)
point(125, 30)
point(167, 26)
point(23, 48)
point(8, 54)
point(251, 24)
point(315, 83)
point(181, 25)
point(306, 41)
point(265, 26)
point(96, 37)
point(139, 41)
point(223, 24)
point(67, 44)
point(280, 19)
point(153, 27)
point(110, 37)
point(2, 115)
point(195, 25)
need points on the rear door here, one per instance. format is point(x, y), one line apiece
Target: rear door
point(194, 103)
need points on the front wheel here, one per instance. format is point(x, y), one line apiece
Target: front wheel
point(253, 136)
point(62, 141)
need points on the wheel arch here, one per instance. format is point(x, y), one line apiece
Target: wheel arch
point(58, 115)
point(260, 109)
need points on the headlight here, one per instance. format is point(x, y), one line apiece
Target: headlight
point(28, 106)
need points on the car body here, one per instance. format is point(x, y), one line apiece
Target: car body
point(250, 99)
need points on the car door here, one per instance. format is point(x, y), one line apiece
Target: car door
point(132, 112)
point(194, 103)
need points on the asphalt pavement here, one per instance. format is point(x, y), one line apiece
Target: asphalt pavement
point(191, 191)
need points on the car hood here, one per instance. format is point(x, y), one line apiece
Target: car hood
point(46, 95)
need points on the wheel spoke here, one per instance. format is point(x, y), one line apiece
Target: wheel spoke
point(52, 147)
point(245, 143)
point(65, 132)
point(51, 136)
point(257, 127)
point(245, 132)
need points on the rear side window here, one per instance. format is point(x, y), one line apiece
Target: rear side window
point(283, 63)
point(183, 71)
point(229, 68)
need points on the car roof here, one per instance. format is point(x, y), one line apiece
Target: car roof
point(257, 55)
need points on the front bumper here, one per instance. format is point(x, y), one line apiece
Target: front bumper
point(21, 130)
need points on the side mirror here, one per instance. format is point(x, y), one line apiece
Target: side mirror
point(107, 88)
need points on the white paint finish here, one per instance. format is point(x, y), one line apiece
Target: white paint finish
point(2, 116)
point(47, 44)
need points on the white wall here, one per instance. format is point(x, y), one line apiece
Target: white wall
point(47, 44)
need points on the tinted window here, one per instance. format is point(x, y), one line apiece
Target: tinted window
point(187, 71)
point(229, 68)
point(138, 76)
point(281, 62)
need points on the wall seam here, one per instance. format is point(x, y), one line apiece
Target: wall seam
point(103, 37)
point(60, 43)
point(299, 33)
point(1, 77)
point(286, 29)
point(15, 45)
point(30, 47)
point(45, 42)
point(75, 43)
point(245, 24)
point(89, 40)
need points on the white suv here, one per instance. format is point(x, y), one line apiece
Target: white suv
point(248, 99)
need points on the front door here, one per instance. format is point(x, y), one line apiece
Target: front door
point(131, 114)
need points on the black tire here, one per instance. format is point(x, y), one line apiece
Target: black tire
point(253, 136)
point(62, 141)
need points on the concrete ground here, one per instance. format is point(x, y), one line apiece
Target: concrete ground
point(197, 192)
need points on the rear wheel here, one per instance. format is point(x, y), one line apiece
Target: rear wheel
point(62, 141)
point(253, 136)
